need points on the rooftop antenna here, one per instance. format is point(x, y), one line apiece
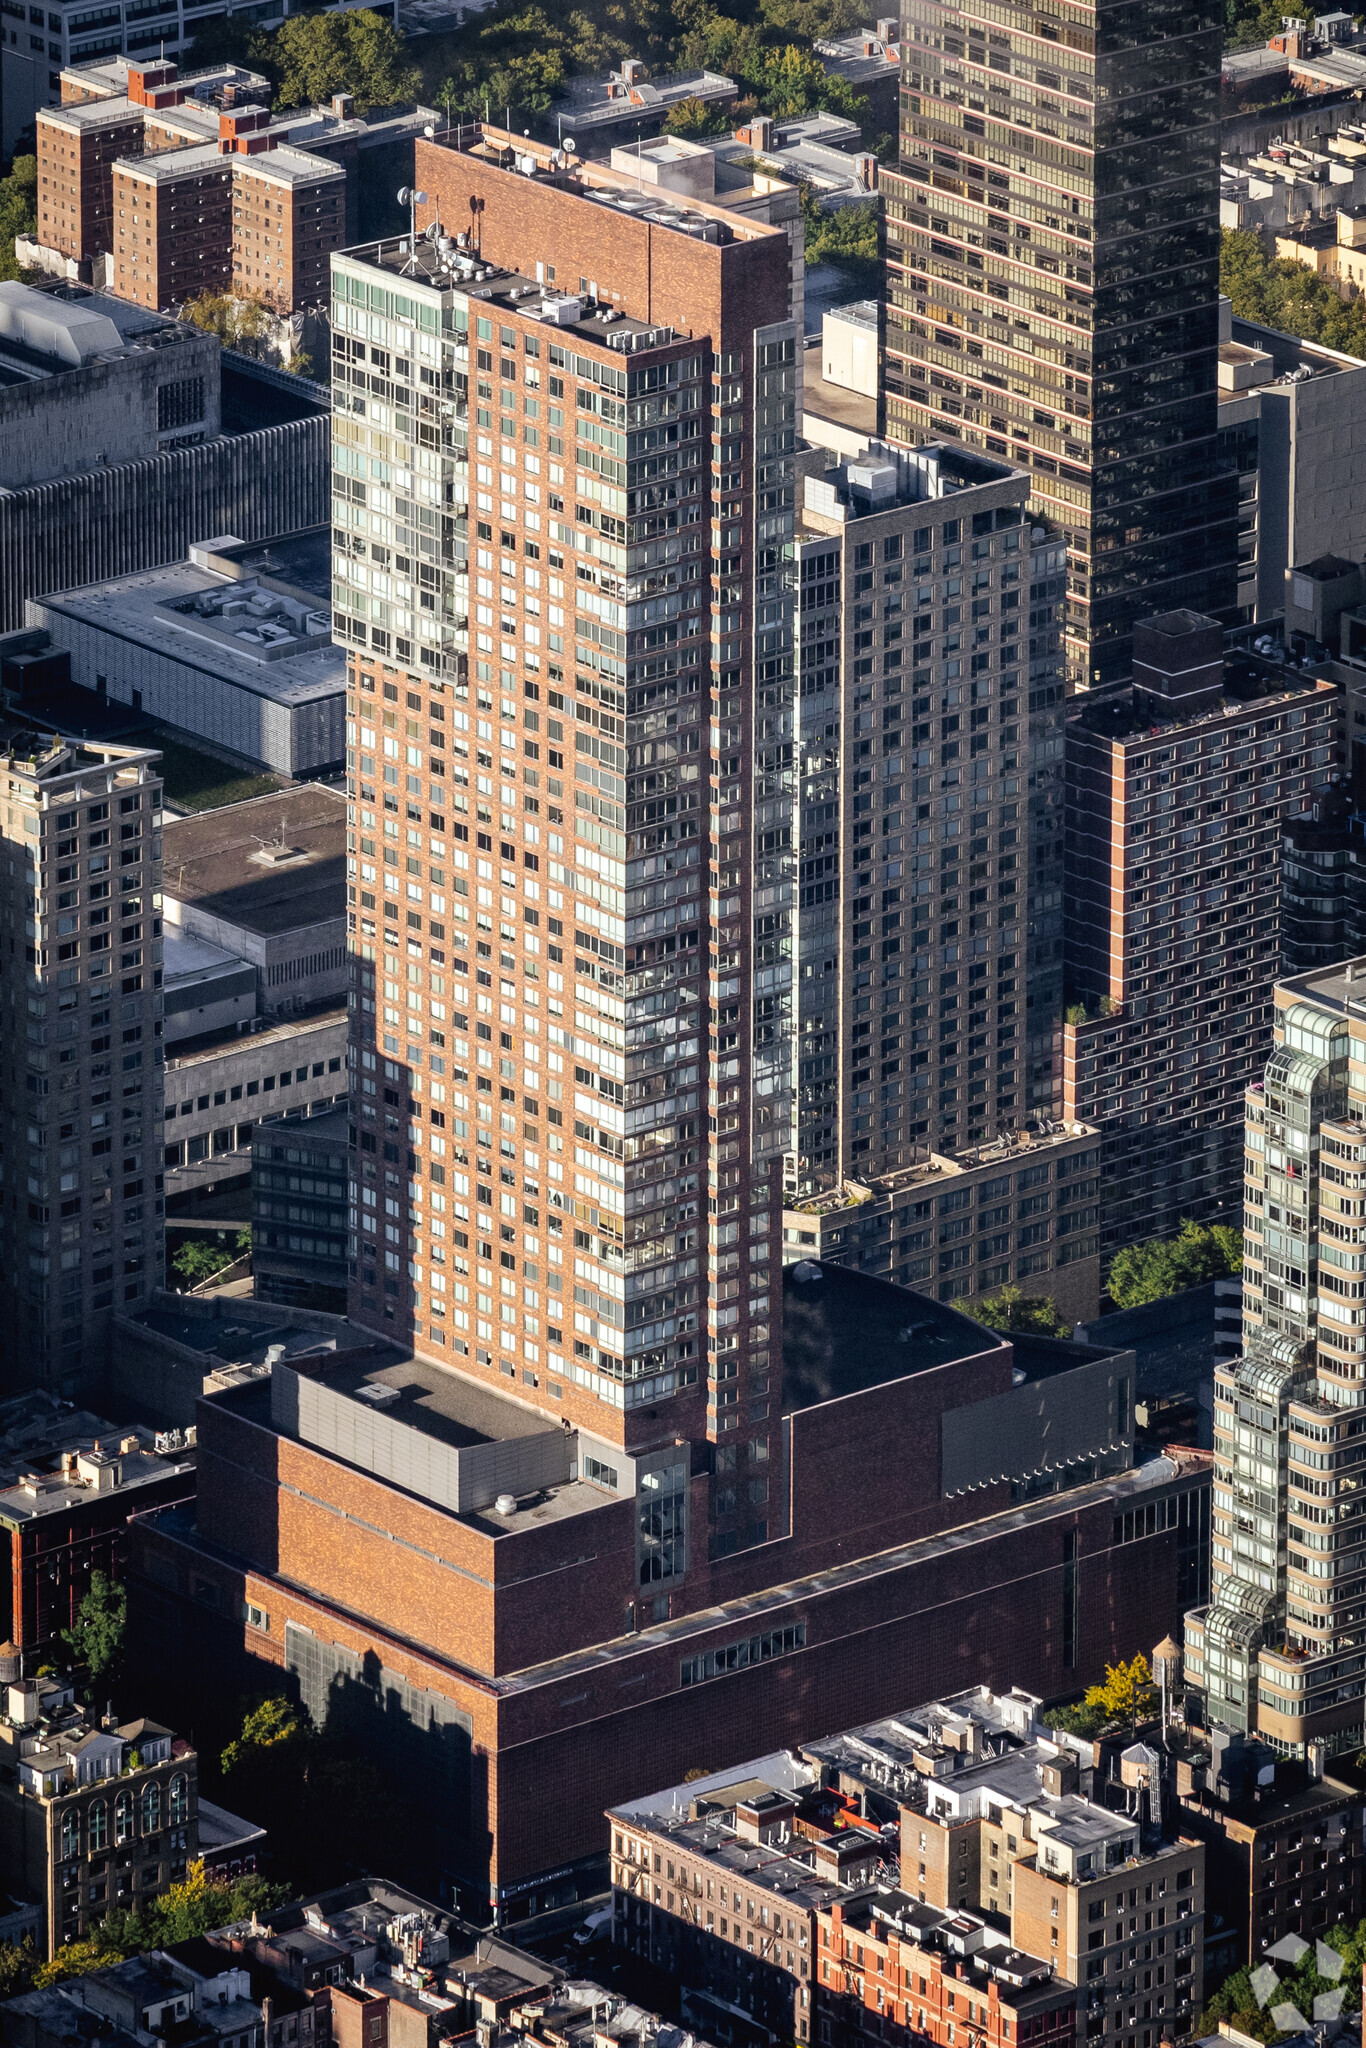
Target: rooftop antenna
point(409, 196)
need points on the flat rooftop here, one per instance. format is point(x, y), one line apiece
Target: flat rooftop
point(844, 1332)
point(54, 330)
point(273, 864)
point(940, 1171)
point(1249, 681)
point(50, 1464)
point(256, 632)
point(884, 477)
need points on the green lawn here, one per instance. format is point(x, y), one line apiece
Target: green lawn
point(196, 782)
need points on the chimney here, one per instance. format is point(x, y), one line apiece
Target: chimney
point(1178, 661)
point(343, 106)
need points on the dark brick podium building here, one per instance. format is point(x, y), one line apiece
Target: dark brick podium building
point(511, 1615)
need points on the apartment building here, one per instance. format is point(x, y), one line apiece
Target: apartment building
point(219, 216)
point(500, 631)
point(65, 1516)
point(170, 221)
point(299, 1211)
point(893, 1839)
point(1177, 793)
point(1323, 882)
point(891, 1969)
point(929, 730)
point(1277, 1652)
point(1292, 417)
point(1283, 1845)
point(1052, 287)
point(93, 1816)
point(78, 147)
point(1023, 1209)
point(80, 1114)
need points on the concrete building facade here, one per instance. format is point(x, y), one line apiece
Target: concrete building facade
point(84, 1098)
point(1022, 1210)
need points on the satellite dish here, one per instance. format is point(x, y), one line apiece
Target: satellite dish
point(429, 131)
point(404, 195)
point(569, 144)
point(419, 198)
point(432, 231)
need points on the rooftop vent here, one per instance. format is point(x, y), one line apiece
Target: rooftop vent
point(506, 1504)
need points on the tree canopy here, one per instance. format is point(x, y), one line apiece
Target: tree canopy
point(200, 1902)
point(1009, 1308)
point(1236, 2001)
point(96, 1641)
point(18, 211)
point(1278, 292)
point(311, 56)
point(330, 1808)
point(1150, 1272)
point(1126, 1694)
point(518, 55)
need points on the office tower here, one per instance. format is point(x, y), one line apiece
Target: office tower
point(562, 509)
point(1177, 792)
point(1278, 1650)
point(80, 1236)
point(1052, 244)
point(929, 728)
point(126, 439)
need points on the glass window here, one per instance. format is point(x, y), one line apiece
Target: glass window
point(123, 1817)
point(99, 1825)
point(151, 1809)
point(179, 1804)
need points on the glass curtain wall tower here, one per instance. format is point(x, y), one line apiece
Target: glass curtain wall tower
point(1051, 287)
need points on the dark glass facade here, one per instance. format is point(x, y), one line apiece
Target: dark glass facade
point(1052, 256)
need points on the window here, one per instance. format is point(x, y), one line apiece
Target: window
point(738, 1656)
point(151, 1809)
point(661, 1519)
point(98, 1824)
point(71, 1834)
point(123, 1817)
point(180, 404)
point(604, 1475)
point(178, 1806)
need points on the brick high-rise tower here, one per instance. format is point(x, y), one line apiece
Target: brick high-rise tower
point(564, 491)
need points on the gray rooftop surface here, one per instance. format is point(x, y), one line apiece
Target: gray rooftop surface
point(151, 609)
point(213, 860)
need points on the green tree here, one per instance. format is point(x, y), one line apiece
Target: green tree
point(234, 317)
point(694, 118)
point(18, 211)
point(1278, 292)
point(73, 1959)
point(1150, 1272)
point(96, 1641)
point(275, 1724)
point(18, 1963)
point(201, 1902)
point(1126, 1694)
point(199, 1258)
point(316, 55)
point(1009, 1308)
